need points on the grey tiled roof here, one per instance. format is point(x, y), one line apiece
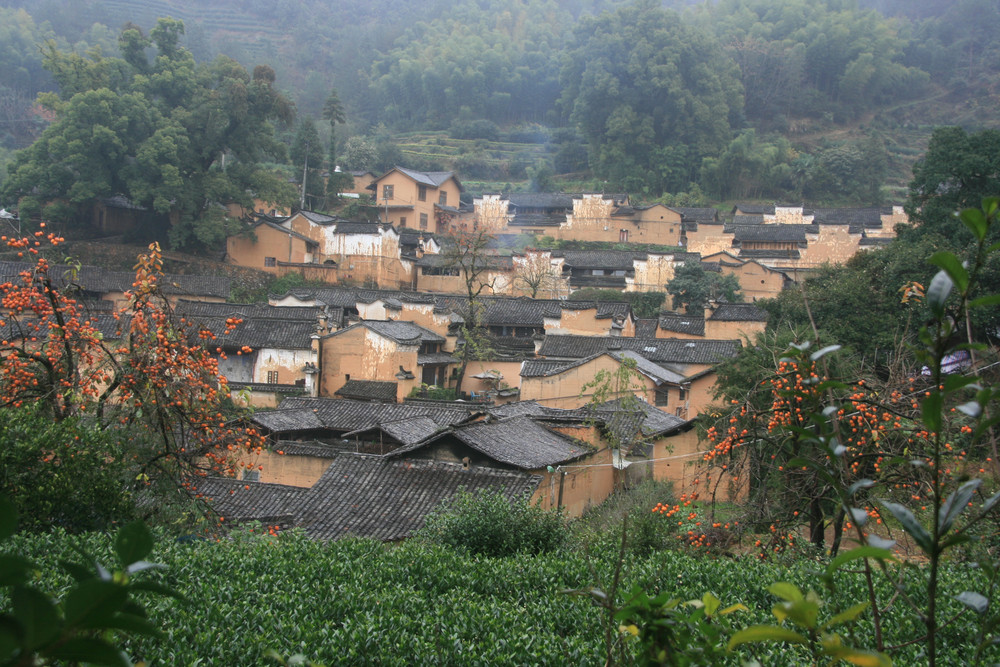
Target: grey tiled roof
point(195, 309)
point(351, 227)
point(748, 219)
point(318, 218)
point(432, 178)
point(100, 280)
point(404, 333)
point(364, 496)
point(755, 209)
point(679, 323)
point(739, 312)
point(765, 253)
point(656, 373)
point(864, 217)
point(868, 240)
point(341, 414)
point(774, 233)
point(697, 214)
point(657, 350)
point(368, 390)
point(616, 260)
point(517, 441)
point(258, 333)
point(288, 419)
point(406, 431)
point(430, 358)
point(537, 220)
point(645, 328)
point(549, 200)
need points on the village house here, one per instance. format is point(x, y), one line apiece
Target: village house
point(416, 199)
point(268, 246)
point(270, 353)
point(383, 351)
point(684, 366)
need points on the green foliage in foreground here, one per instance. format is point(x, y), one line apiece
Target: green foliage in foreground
point(488, 524)
point(360, 602)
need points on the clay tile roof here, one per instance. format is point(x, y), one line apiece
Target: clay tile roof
point(697, 214)
point(284, 230)
point(517, 441)
point(765, 253)
point(614, 260)
point(342, 414)
point(863, 217)
point(739, 312)
point(550, 200)
point(755, 209)
point(775, 233)
point(368, 390)
point(403, 333)
point(432, 178)
point(406, 431)
point(364, 496)
point(645, 328)
point(678, 323)
point(97, 279)
point(657, 350)
point(287, 419)
point(533, 368)
point(748, 219)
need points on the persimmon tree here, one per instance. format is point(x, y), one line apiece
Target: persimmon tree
point(139, 373)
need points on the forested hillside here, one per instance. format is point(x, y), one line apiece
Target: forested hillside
point(776, 99)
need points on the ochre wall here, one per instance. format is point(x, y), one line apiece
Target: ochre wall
point(563, 390)
point(269, 242)
point(364, 355)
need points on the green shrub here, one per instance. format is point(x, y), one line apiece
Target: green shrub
point(489, 524)
point(61, 474)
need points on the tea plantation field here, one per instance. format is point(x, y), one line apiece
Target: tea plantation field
point(364, 603)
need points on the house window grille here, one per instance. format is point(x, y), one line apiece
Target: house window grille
point(422, 192)
point(423, 221)
point(272, 377)
point(387, 192)
point(443, 198)
point(270, 261)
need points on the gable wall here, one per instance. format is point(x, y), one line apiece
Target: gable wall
point(245, 250)
point(564, 390)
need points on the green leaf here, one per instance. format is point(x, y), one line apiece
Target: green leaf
point(953, 267)
point(133, 624)
point(93, 602)
point(90, 650)
point(859, 516)
point(8, 519)
point(990, 503)
point(819, 354)
point(974, 601)
point(861, 658)
point(765, 633)
point(14, 569)
point(38, 616)
point(856, 554)
point(985, 301)
point(972, 409)
point(910, 525)
point(846, 616)
point(133, 542)
point(786, 591)
point(930, 409)
point(956, 504)
point(937, 293)
point(711, 603)
point(975, 221)
point(858, 485)
point(880, 543)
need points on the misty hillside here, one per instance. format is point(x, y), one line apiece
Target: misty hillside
point(737, 98)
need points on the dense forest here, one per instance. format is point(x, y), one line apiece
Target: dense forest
point(828, 102)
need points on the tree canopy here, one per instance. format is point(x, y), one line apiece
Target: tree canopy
point(651, 95)
point(173, 136)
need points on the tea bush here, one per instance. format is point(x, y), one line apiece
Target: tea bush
point(487, 523)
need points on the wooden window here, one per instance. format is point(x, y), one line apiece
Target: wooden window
point(662, 397)
point(251, 475)
point(422, 192)
point(423, 221)
point(402, 221)
point(270, 261)
point(272, 377)
point(386, 192)
point(443, 198)
point(623, 236)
